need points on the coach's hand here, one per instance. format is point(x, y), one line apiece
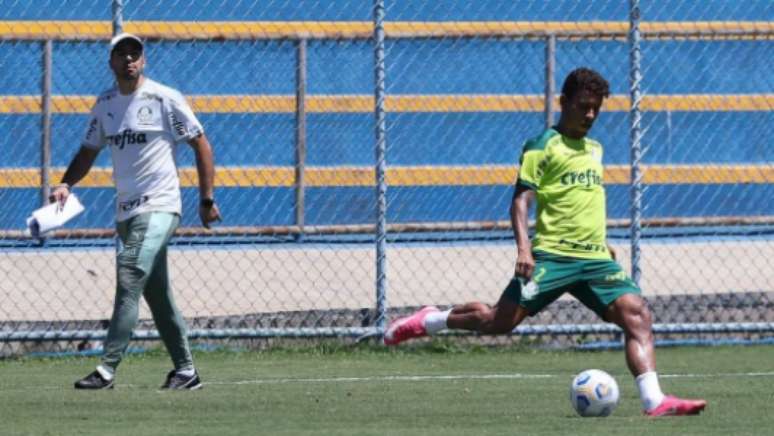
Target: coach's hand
point(59, 194)
point(525, 264)
point(208, 212)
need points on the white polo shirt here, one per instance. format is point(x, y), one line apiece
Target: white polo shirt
point(142, 131)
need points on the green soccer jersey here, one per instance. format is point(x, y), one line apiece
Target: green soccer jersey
point(566, 175)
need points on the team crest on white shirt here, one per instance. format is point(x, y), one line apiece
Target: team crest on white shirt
point(145, 116)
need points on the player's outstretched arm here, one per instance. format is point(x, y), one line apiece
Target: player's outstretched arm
point(522, 198)
point(205, 168)
point(77, 170)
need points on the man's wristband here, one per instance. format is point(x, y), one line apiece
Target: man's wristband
point(63, 185)
point(206, 202)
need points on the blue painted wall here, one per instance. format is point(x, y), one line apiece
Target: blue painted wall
point(414, 67)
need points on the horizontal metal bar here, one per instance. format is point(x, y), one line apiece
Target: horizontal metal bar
point(568, 329)
point(355, 229)
point(680, 328)
point(143, 335)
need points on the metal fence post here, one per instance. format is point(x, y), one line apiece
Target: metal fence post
point(550, 90)
point(118, 16)
point(118, 27)
point(635, 117)
point(300, 135)
point(45, 140)
point(381, 185)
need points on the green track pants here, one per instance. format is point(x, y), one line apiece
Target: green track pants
point(142, 271)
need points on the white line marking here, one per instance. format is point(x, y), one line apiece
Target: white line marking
point(391, 378)
point(386, 378)
point(726, 374)
point(402, 378)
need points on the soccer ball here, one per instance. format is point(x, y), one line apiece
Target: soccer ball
point(594, 393)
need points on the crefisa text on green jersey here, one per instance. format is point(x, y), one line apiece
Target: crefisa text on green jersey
point(587, 178)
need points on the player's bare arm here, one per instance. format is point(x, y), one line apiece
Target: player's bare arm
point(522, 198)
point(208, 210)
point(612, 251)
point(77, 170)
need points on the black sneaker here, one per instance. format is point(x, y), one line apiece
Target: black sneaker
point(94, 381)
point(179, 381)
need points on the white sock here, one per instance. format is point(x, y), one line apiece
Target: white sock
point(186, 372)
point(106, 372)
point(436, 321)
point(650, 391)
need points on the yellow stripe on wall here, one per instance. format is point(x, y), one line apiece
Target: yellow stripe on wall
point(685, 174)
point(412, 176)
point(43, 29)
point(225, 30)
point(81, 104)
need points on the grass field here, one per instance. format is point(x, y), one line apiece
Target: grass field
point(370, 391)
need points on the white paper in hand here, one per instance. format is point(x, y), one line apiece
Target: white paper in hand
point(53, 216)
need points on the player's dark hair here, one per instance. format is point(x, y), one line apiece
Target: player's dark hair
point(583, 78)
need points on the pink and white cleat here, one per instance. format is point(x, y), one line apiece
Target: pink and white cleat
point(673, 406)
point(408, 327)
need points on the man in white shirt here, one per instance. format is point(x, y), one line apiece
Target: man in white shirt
point(141, 122)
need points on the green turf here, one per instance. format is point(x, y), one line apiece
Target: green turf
point(248, 393)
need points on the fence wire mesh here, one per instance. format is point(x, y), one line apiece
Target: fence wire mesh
point(703, 170)
point(285, 92)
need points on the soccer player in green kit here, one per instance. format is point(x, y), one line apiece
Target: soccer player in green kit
point(562, 170)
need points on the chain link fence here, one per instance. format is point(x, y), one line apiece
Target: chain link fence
point(287, 94)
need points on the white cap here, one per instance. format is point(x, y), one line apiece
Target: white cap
point(122, 37)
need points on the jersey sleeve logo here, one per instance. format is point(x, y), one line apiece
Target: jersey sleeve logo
point(92, 130)
point(541, 168)
point(177, 125)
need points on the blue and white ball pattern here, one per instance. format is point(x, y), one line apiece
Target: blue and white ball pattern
point(594, 393)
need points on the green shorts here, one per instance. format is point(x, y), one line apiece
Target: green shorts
point(595, 283)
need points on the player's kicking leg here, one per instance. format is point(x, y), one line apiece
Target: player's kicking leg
point(409, 327)
point(476, 316)
point(673, 406)
point(631, 314)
